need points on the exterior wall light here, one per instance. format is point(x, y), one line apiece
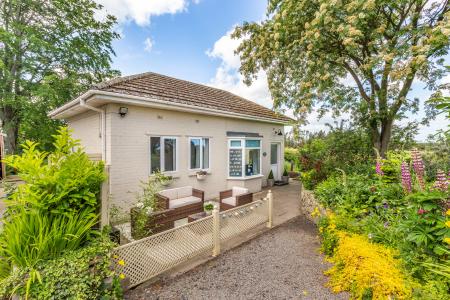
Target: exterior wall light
point(123, 111)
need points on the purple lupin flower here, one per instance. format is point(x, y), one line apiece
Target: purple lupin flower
point(406, 178)
point(378, 165)
point(441, 182)
point(418, 167)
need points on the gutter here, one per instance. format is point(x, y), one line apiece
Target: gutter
point(159, 103)
point(102, 127)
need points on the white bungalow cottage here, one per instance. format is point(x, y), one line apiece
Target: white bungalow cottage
point(147, 122)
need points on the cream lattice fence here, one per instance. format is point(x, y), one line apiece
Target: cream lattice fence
point(151, 256)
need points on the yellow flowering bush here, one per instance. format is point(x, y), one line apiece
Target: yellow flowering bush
point(361, 267)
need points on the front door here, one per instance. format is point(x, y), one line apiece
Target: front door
point(275, 160)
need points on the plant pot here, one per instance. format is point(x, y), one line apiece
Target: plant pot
point(270, 182)
point(208, 212)
point(285, 179)
point(201, 177)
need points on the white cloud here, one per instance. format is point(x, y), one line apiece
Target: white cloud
point(141, 11)
point(227, 75)
point(148, 44)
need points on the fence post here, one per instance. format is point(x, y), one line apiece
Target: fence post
point(270, 209)
point(216, 232)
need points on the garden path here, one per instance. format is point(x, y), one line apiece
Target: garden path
point(283, 263)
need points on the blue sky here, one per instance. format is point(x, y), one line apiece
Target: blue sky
point(189, 39)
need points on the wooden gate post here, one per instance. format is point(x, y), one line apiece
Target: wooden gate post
point(270, 209)
point(216, 232)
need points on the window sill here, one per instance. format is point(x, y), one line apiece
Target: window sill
point(193, 173)
point(173, 174)
point(246, 178)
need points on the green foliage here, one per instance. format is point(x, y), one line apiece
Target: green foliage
point(31, 235)
point(78, 274)
point(322, 154)
point(285, 173)
point(60, 182)
point(147, 204)
point(54, 211)
point(49, 56)
point(307, 47)
point(270, 175)
point(292, 156)
point(208, 206)
point(417, 225)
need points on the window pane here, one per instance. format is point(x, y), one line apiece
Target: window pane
point(235, 162)
point(170, 154)
point(252, 162)
point(273, 154)
point(235, 143)
point(155, 154)
point(195, 153)
point(252, 143)
point(205, 153)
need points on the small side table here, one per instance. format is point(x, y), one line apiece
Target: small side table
point(197, 216)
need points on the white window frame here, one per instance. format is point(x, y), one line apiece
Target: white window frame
point(201, 138)
point(243, 147)
point(162, 152)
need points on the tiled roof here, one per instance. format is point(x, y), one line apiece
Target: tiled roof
point(161, 87)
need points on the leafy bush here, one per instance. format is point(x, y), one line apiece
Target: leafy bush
point(322, 154)
point(291, 156)
point(414, 221)
point(48, 223)
point(77, 274)
point(64, 181)
point(30, 235)
point(364, 268)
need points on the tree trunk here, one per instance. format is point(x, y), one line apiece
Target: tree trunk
point(385, 137)
point(10, 128)
point(380, 140)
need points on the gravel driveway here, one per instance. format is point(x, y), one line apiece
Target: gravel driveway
point(281, 264)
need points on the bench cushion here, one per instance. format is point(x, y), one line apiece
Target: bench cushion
point(184, 201)
point(184, 191)
point(171, 194)
point(236, 191)
point(230, 201)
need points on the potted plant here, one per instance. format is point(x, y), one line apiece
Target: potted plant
point(285, 177)
point(270, 180)
point(201, 175)
point(208, 207)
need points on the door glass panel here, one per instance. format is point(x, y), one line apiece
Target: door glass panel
point(273, 154)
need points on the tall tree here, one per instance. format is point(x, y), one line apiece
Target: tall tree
point(309, 47)
point(50, 50)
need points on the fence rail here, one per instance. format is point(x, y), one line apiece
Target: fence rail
point(153, 255)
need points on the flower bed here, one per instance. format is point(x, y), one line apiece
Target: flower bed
point(398, 214)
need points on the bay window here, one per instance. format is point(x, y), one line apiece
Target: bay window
point(163, 154)
point(199, 153)
point(244, 157)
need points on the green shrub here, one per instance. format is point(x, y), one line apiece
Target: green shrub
point(76, 274)
point(292, 156)
point(30, 236)
point(56, 208)
point(61, 182)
